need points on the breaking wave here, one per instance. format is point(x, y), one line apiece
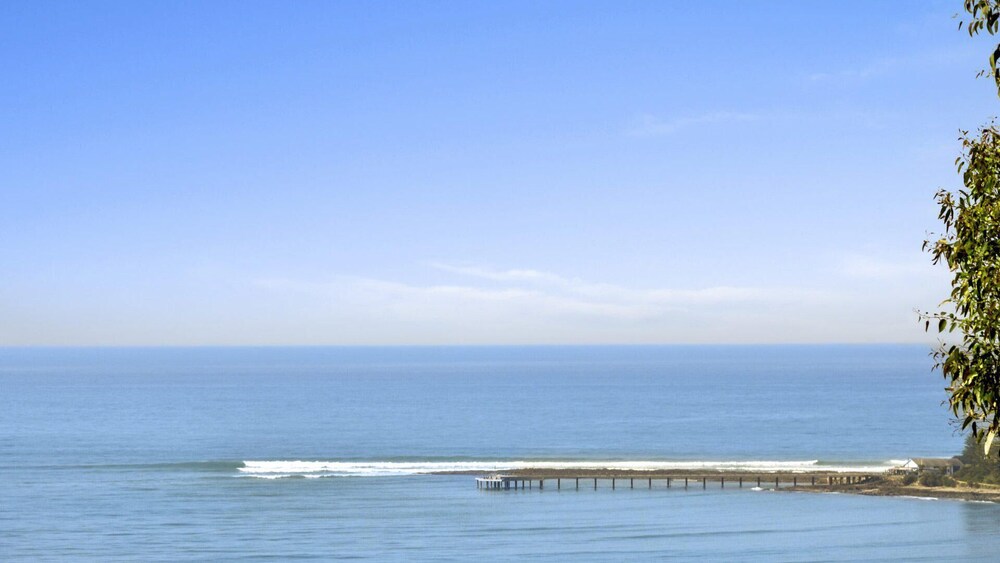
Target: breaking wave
point(279, 469)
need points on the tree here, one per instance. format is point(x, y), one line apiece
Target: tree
point(985, 17)
point(970, 246)
point(979, 466)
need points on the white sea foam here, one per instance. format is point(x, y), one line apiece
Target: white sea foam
point(287, 468)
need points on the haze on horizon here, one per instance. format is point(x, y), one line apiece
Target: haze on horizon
point(476, 173)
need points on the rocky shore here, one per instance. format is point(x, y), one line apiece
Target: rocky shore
point(892, 486)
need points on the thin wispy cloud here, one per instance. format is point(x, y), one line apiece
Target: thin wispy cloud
point(649, 125)
point(884, 66)
point(530, 298)
point(874, 68)
point(498, 275)
point(475, 304)
point(871, 267)
point(556, 284)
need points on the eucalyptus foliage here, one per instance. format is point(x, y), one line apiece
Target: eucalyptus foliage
point(985, 17)
point(970, 246)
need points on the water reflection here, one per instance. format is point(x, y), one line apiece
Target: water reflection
point(982, 526)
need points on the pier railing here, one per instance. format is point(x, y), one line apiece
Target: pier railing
point(520, 482)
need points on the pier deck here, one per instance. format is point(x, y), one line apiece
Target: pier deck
point(684, 479)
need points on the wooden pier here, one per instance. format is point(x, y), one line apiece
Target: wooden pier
point(666, 480)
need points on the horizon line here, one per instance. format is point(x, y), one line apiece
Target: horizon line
point(457, 345)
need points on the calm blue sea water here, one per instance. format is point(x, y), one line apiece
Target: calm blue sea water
point(204, 454)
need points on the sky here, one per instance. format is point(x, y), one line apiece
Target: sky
point(341, 173)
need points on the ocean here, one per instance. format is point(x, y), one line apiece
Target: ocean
point(221, 454)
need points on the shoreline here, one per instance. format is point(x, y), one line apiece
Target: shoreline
point(891, 486)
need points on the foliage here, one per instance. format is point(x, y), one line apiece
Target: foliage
point(930, 479)
point(970, 246)
point(934, 479)
point(985, 16)
point(978, 466)
point(909, 479)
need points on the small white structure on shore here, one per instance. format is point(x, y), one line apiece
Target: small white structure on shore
point(947, 466)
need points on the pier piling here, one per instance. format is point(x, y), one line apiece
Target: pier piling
point(525, 480)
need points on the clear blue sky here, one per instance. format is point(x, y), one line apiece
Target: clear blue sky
point(475, 172)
